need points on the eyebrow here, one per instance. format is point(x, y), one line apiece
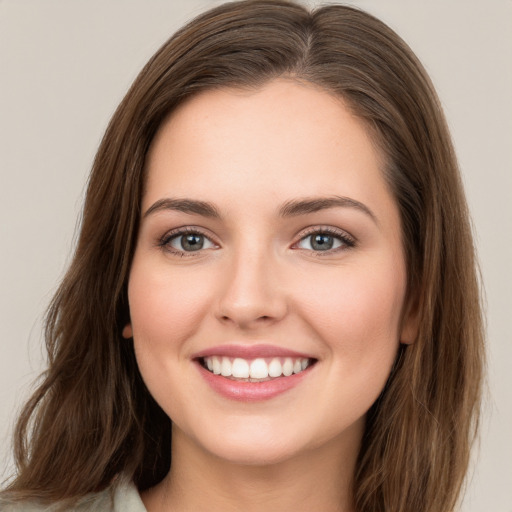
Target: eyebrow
point(315, 204)
point(191, 206)
point(291, 208)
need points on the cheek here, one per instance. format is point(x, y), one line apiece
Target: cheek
point(358, 312)
point(164, 305)
point(165, 308)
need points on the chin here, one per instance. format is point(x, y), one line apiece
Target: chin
point(250, 442)
point(259, 442)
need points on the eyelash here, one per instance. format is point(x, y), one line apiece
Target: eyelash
point(164, 242)
point(348, 242)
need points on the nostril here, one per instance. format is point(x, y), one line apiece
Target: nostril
point(251, 314)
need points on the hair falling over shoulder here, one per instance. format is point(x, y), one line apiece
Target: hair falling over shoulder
point(92, 419)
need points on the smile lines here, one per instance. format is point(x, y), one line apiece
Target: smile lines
point(259, 369)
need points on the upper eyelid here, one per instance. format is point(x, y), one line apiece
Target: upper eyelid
point(184, 230)
point(342, 233)
point(303, 233)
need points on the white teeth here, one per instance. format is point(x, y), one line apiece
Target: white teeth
point(240, 368)
point(287, 367)
point(275, 368)
point(225, 367)
point(259, 368)
point(215, 364)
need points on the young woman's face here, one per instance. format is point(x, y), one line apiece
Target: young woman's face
point(269, 251)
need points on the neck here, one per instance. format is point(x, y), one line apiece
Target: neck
point(318, 479)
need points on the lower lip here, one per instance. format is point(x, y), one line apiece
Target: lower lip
point(251, 391)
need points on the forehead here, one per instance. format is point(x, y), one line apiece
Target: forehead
point(290, 138)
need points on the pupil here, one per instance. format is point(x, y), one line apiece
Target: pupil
point(192, 242)
point(322, 242)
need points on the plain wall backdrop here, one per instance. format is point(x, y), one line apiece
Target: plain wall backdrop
point(64, 67)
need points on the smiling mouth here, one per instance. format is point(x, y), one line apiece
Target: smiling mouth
point(255, 370)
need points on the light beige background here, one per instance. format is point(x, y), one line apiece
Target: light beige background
point(65, 65)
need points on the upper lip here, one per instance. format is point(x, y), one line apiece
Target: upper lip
point(250, 352)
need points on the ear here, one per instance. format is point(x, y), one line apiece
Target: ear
point(410, 323)
point(127, 331)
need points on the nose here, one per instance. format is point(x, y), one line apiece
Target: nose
point(252, 295)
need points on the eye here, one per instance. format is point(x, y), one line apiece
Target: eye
point(325, 241)
point(186, 242)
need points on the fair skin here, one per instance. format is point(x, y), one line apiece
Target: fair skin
point(275, 267)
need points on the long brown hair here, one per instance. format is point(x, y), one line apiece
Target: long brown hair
point(92, 419)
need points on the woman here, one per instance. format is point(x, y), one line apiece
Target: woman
point(274, 285)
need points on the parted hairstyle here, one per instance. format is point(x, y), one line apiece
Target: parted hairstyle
point(92, 419)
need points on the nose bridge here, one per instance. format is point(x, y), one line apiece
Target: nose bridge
point(251, 292)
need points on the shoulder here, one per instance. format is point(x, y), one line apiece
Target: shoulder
point(122, 498)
